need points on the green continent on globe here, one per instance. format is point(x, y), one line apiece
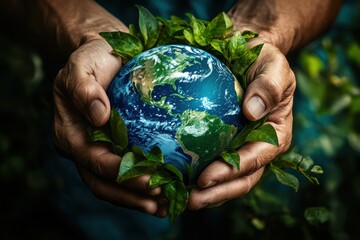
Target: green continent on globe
point(203, 136)
point(182, 100)
point(152, 72)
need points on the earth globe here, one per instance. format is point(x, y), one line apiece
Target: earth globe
point(181, 99)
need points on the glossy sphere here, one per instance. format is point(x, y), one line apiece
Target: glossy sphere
point(181, 99)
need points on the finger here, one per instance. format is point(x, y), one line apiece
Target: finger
point(84, 79)
point(86, 94)
point(70, 137)
point(141, 184)
point(118, 195)
point(163, 210)
point(220, 193)
point(105, 164)
point(96, 157)
point(253, 156)
point(269, 85)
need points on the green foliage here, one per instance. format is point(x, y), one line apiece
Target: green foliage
point(125, 45)
point(113, 133)
point(267, 212)
point(215, 36)
point(254, 131)
point(316, 215)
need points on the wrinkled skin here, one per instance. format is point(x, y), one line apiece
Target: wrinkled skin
point(80, 100)
point(271, 79)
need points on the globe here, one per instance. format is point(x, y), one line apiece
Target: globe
point(181, 99)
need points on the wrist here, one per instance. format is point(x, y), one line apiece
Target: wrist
point(266, 33)
point(273, 20)
point(73, 27)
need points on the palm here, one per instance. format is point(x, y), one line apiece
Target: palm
point(81, 101)
point(271, 79)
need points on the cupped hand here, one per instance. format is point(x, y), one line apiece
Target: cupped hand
point(271, 85)
point(80, 100)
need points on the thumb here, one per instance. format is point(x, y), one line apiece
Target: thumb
point(262, 95)
point(93, 102)
point(98, 112)
point(266, 91)
point(87, 94)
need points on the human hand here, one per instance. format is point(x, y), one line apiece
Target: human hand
point(271, 85)
point(80, 100)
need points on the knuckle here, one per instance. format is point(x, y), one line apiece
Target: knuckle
point(247, 187)
point(88, 161)
point(274, 91)
point(148, 207)
point(258, 163)
point(91, 182)
point(96, 166)
point(95, 189)
point(194, 202)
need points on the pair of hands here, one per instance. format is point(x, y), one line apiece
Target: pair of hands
point(80, 98)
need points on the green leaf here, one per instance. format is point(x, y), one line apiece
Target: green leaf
point(139, 169)
point(175, 171)
point(118, 129)
point(99, 135)
point(160, 178)
point(132, 30)
point(236, 46)
point(173, 27)
point(155, 155)
point(247, 35)
point(316, 215)
point(312, 179)
point(353, 52)
point(123, 44)
point(317, 169)
point(138, 151)
point(265, 133)
point(149, 26)
point(312, 64)
point(220, 46)
point(177, 195)
point(189, 36)
point(178, 21)
point(294, 160)
point(189, 170)
point(355, 105)
point(243, 63)
point(232, 158)
point(198, 28)
point(219, 27)
point(284, 177)
point(127, 162)
point(259, 224)
point(240, 138)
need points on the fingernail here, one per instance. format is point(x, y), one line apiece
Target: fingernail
point(256, 107)
point(155, 191)
point(210, 184)
point(97, 111)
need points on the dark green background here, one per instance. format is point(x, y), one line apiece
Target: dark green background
point(326, 127)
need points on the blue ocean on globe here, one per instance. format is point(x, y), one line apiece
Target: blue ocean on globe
point(181, 99)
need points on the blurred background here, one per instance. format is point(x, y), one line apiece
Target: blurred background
point(326, 130)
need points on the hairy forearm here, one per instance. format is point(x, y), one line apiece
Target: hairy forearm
point(288, 24)
point(58, 26)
